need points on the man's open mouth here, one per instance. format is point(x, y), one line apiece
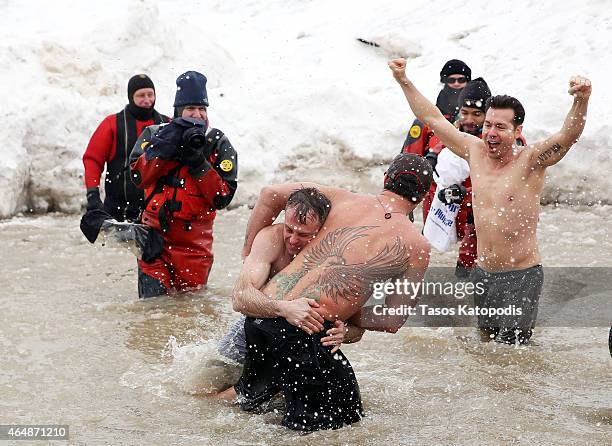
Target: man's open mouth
point(493, 145)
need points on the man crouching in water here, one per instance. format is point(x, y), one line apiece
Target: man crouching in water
point(273, 249)
point(365, 240)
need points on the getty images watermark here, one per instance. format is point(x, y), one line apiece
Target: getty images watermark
point(421, 290)
point(570, 297)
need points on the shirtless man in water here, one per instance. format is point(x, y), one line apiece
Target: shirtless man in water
point(365, 240)
point(274, 248)
point(506, 184)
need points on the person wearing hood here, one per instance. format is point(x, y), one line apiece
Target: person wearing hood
point(188, 171)
point(455, 74)
point(111, 145)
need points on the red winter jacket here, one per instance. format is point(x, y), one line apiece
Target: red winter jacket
point(102, 148)
point(420, 139)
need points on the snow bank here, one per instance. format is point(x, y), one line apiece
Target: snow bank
point(298, 95)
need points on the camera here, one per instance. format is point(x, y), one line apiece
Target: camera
point(194, 138)
point(454, 194)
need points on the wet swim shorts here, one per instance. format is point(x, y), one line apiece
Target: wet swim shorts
point(516, 295)
point(233, 344)
point(320, 389)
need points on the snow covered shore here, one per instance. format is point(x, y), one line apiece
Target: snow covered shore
point(289, 83)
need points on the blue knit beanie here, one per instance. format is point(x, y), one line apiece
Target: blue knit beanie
point(191, 90)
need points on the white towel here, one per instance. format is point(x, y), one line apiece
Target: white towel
point(441, 224)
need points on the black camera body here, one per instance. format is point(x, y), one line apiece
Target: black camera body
point(194, 146)
point(453, 194)
point(194, 138)
point(183, 139)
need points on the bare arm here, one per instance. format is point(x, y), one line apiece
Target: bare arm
point(341, 333)
point(552, 150)
point(246, 297)
point(353, 333)
point(250, 301)
point(272, 200)
point(372, 318)
point(459, 142)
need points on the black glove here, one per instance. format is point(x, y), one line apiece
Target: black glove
point(453, 194)
point(168, 141)
point(192, 157)
point(432, 157)
point(93, 199)
point(165, 142)
point(195, 149)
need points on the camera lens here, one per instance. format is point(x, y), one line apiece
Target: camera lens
point(194, 138)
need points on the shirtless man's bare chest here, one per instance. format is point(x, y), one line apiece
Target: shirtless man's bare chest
point(506, 200)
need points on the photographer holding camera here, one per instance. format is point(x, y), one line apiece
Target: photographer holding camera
point(188, 171)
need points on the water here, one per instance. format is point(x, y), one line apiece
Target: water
point(78, 348)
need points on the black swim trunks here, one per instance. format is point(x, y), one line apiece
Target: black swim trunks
point(320, 388)
point(515, 292)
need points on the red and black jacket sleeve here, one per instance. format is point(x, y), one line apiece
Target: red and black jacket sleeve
point(146, 173)
point(417, 141)
point(99, 151)
point(217, 178)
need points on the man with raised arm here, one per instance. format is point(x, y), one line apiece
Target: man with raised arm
point(365, 240)
point(506, 184)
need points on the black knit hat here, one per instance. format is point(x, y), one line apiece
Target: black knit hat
point(409, 176)
point(137, 82)
point(191, 90)
point(455, 66)
point(475, 94)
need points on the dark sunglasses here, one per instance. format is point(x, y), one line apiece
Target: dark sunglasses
point(454, 80)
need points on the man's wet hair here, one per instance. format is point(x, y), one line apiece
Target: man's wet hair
point(309, 200)
point(410, 176)
point(505, 101)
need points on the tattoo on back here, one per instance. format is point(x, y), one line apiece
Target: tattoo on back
point(556, 148)
point(338, 279)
